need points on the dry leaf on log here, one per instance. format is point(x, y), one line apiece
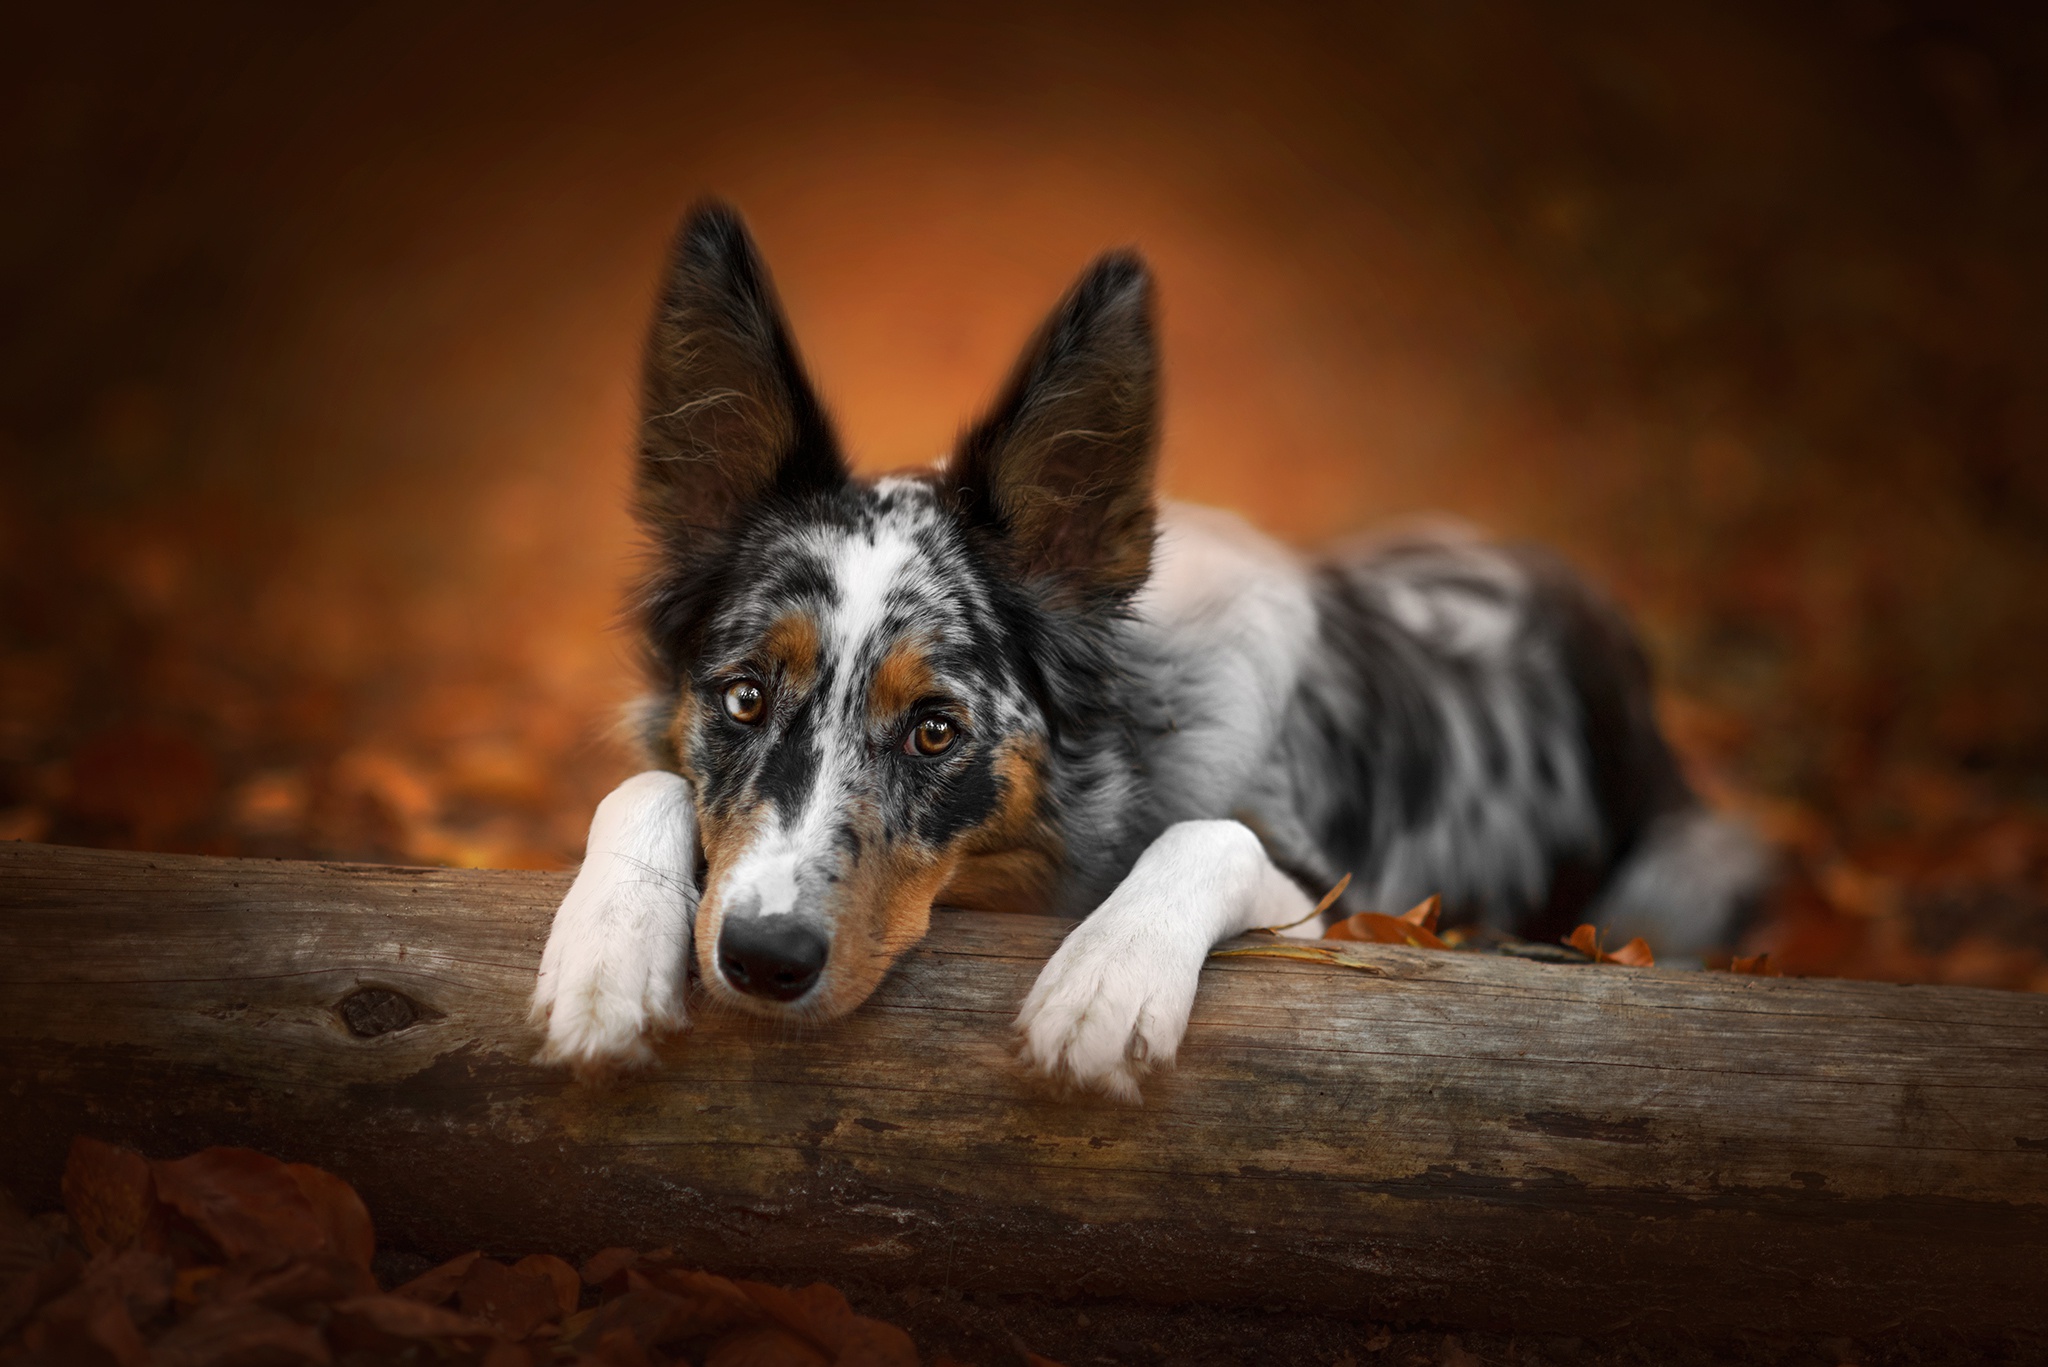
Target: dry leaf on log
point(1634, 954)
point(1416, 926)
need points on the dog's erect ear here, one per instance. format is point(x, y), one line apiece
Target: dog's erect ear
point(727, 415)
point(1061, 467)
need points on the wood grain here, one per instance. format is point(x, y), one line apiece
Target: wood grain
point(1449, 1138)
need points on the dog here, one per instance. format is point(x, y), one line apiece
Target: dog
point(1013, 681)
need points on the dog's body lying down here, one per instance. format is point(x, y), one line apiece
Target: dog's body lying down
point(1010, 682)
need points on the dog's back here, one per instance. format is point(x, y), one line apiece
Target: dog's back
point(1430, 713)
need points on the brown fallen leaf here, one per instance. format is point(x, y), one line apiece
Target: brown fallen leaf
point(605, 1264)
point(339, 1211)
point(652, 1317)
point(139, 1279)
point(615, 1349)
point(1634, 954)
point(309, 1279)
point(1756, 965)
point(765, 1346)
point(119, 1290)
point(194, 1284)
point(1416, 926)
point(437, 1284)
point(820, 1314)
point(1452, 1353)
point(112, 1327)
point(876, 1343)
point(512, 1302)
point(99, 1318)
point(1426, 913)
point(714, 1303)
point(403, 1318)
point(36, 1265)
point(816, 1312)
point(238, 1333)
point(567, 1285)
point(247, 1202)
point(107, 1194)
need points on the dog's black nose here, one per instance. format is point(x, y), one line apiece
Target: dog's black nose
point(776, 957)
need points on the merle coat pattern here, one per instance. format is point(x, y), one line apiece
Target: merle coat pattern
point(1011, 681)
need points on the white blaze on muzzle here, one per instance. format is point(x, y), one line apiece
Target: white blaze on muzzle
point(777, 900)
point(776, 905)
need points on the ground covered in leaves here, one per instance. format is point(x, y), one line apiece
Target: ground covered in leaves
point(232, 1258)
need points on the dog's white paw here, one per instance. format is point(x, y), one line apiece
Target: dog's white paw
point(616, 967)
point(1112, 1003)
point(601, 1011)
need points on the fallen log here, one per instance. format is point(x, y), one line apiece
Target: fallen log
point(1423, 1137)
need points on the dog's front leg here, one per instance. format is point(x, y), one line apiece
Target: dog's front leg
point(1114, 999)
point(617, 962)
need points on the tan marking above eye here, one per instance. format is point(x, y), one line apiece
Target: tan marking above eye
point(933, 735)
point(902, 680)
point(745, 701)
point(791, 645)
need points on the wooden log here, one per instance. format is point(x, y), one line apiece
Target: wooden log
point(1430, 1137)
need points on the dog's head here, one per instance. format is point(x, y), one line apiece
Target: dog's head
point(866, 683)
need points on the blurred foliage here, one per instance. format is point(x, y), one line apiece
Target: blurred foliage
point(316, 389)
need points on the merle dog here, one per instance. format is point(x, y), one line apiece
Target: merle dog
point(1013, 681)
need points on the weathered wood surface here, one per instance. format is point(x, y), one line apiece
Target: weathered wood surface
point(1458, 1139)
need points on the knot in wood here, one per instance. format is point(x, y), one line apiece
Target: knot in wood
point(372, 1011)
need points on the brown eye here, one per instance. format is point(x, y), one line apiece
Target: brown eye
point(744, 701)
point(933, 736)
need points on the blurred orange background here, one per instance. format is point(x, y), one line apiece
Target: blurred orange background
point(316, 390)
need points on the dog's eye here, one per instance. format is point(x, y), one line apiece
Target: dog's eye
point(932, 736)
point(744, 701)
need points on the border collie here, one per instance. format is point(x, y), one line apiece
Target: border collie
point(1012, 681)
